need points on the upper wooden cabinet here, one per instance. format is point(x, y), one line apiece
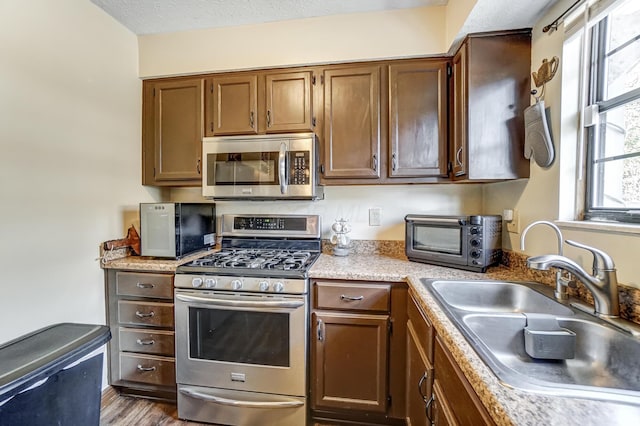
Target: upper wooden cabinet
point(490, 90)
point(252, 103)
point(422, 120)
point(395, 135)
point(418, 119)
point(232, 105)
point(352, 122)
point(288, 102)
point(172, 132)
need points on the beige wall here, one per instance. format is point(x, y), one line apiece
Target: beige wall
point(540, 197)
point(388, 34)
point(70, 163)
point(353, 203)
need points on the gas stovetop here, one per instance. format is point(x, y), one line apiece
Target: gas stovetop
point(229, 260)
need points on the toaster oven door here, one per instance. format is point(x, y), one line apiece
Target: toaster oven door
point(437, 240)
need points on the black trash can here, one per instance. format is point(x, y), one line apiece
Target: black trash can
point(50, 376)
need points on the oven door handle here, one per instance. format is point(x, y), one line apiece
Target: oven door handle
point(242, 303)
point(245, 404)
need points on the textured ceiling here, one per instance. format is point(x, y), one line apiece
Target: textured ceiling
point(164, 16)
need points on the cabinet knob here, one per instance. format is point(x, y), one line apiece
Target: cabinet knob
point(251, 119)
point(268, 118)
point(375, 163)
point(393, 162)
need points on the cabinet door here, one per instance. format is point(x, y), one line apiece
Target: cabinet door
point(418, 119)
point(419, 380)
point(288, 98)
point(349, 361)
point(352, 122)
point(177, 130)
point(458, 399)
point(459, 114)
point(441, 409)
point(232, 105)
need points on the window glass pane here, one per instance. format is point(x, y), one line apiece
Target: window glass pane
point(616, 181)
point(621, 131)
point(623, 65)
point(619, 186)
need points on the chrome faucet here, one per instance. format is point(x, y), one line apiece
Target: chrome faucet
point(562, 282)
point(603, 284)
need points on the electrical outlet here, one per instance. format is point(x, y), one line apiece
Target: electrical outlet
point(375, 216)
point(513, 225)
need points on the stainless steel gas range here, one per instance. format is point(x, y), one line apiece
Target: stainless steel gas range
point(242, 320)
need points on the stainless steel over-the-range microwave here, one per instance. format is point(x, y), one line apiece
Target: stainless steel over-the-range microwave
point(261, 167)
point(465, 242)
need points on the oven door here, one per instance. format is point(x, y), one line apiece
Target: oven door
point(441, 241)
point(240, 341)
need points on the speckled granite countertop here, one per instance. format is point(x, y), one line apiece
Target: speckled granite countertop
point(508, 406)
point(150, 264)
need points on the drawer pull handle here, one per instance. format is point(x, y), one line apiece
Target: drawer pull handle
point(351, 298)
point(145, 315)
point(144, 285)
point(145, 342)
point(141, 368)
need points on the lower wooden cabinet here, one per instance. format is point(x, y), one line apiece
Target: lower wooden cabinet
point(419, 367)
point(142, 347)
point(438, 393)
point(350, 368)
point(357, 355)
point(455, 402)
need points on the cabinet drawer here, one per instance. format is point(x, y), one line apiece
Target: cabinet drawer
point(354, 297)
point(159, 286)
point(149, 369)
point(145, 313)
point(158, 342)
point(422, 327)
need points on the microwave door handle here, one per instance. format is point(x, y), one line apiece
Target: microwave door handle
point(282, 157)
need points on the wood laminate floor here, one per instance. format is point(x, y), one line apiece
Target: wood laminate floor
point(121, 410)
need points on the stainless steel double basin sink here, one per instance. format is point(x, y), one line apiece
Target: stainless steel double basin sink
point(492, 316)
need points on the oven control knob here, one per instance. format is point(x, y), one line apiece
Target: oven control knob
point(278, 287)
point(236, 284)
point(475, 243)
point(210, 283)
point(264, 285)
point(196, 282)
point(475, 254)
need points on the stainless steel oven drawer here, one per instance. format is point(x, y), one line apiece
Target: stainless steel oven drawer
point(158, 286)
point(145, 313)
point(158, 342)
point(154, 370)
point(223, 406)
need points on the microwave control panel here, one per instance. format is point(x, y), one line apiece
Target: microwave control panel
point(299, 168)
